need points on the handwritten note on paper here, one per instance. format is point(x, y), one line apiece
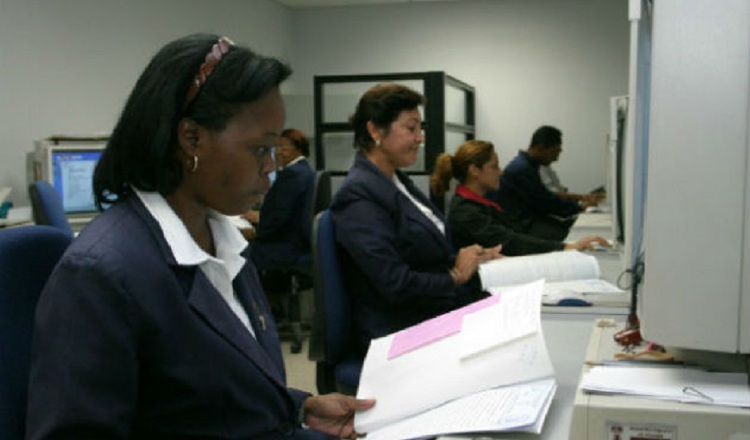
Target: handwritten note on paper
point(516, 317)
point(436, 328)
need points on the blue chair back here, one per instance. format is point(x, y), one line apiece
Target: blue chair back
point(47, 207)
point(27, 256)
point(334, 320)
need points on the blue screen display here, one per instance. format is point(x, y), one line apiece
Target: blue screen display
point(72, 177)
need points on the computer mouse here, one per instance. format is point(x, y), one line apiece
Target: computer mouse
point(573, 302)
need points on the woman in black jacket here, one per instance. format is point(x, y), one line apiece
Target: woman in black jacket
point(472, 218)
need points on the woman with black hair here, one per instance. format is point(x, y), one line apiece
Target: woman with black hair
point(154, 325)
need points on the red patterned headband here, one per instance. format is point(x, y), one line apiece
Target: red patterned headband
point(212, 60)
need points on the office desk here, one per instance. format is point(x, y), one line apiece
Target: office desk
point(600, 224)
point(17, 217)
point(594, 223)
point(567, 334)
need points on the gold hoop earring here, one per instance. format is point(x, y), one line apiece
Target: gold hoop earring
point(192, 164)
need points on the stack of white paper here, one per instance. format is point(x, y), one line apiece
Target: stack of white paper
point(679, 384)
point(488, 358)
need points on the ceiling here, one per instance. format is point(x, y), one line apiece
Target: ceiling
point(300, 4)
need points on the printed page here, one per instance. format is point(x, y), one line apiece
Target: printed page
point(552, 266)
point(680, 384)
point(433, 374)
point(520, 407)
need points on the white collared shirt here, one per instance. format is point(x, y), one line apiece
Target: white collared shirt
point(292, 162)
point(219, 270)
point(424, 209)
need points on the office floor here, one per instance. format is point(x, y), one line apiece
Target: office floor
point(300, 372)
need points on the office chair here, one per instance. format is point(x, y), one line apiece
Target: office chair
point(321, 194)
point(47, 208)
point(332, 338)
point(27, 256)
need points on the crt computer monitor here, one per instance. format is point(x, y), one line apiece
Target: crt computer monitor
point(71, 172)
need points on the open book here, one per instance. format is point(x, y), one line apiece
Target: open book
point(484, 367)
point(568, 275)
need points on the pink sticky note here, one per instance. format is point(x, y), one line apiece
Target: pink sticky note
point(435, 329)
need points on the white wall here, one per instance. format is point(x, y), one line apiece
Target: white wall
point(532, 62)
point(66, 67)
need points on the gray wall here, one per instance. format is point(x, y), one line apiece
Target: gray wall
point(67, 66)
point(532, 62)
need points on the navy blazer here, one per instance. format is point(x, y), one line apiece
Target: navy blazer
point(524, 197)
point(395, 260)
point(283, 232)
point(129, 345)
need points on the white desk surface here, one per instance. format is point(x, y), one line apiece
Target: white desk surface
point(593, 220)
point(17, 216)
point(567, 335)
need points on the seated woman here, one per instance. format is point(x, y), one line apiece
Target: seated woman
point(280, 247)
point(398, 261)
point(282, 228)
point(472, 218)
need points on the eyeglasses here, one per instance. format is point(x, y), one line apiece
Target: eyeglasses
point(212, 60)
point(264, 152)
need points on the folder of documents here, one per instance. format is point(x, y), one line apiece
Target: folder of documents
point(470, 360)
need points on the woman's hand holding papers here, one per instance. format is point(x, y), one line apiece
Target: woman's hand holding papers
point(333, 414)
point(469, 259)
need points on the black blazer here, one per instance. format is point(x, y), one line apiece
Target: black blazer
point(395, 261)
point(472, 222)
point(129, 345)
point(283, 232)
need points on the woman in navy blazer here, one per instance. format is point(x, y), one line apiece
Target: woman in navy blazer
point(153, 325)
point(398, 261)
point(282, 236)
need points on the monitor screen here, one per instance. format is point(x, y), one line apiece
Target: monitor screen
point(72, 176)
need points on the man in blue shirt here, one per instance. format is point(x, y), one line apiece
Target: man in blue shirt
point(528, 206)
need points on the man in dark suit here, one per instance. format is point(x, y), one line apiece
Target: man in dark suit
point(528, 206)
